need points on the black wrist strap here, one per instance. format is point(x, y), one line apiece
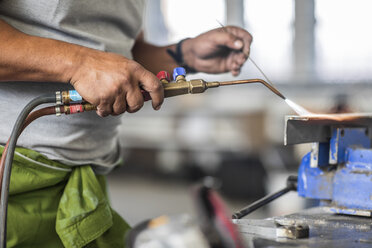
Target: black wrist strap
point(178, 56)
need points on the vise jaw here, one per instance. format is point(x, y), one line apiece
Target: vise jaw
point(338, 169)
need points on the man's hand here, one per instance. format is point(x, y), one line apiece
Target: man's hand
point(219, 50)
point(113, 83)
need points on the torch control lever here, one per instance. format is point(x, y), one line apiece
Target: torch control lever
point(291, 185)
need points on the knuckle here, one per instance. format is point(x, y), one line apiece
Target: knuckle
point(119, 110)
point(135, 67)
point(119, 90)
point(103, 99)
point(115, 113)
point(102, 113)
point(135, 108)
point(156, 86)
point(125, 81)
point(161, 101)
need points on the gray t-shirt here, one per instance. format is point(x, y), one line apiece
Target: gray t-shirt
point(109, 25)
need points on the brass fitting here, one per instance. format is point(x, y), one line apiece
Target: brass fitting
point(66, 97)
point(69, 96)
point(183, 87)
point(89, 107)
point(78, 108)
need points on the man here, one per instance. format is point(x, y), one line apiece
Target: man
point(56, 200)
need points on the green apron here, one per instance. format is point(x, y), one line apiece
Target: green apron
point(52, 205)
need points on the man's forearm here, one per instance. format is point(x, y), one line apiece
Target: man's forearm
point(153, 58)
point(29, 58)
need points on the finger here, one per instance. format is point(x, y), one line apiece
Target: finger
point(229, 40)
point(239, 58)
point(232, 61)
point(120, 105)
point(235, 72)
point(134, 100)
point(235, 66)
point(153, 86)
point(242, 58)
point(104, 109)
point(242, 34)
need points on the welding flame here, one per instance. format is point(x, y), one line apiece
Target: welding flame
point(297, 108)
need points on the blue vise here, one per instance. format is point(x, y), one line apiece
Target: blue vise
point(338, 169)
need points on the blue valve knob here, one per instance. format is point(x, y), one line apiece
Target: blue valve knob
point(75, 96)
point(178, 71)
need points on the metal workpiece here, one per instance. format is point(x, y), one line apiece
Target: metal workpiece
point(294, 231)
point(269, 228)
point(314, 227)
point(318, 127)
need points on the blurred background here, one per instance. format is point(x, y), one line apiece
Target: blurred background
point(317, 53)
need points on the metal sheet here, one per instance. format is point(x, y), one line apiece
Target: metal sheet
point(326, 230)
point(318, 128)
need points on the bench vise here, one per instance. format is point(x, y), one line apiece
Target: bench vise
point(338, 169)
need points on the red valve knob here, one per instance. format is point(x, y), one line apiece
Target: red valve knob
point(163, 75)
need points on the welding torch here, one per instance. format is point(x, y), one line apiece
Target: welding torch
point(180, 86)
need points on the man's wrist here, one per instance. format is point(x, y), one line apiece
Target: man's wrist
point(74, 59)
point(188, 54)
point(181, 55)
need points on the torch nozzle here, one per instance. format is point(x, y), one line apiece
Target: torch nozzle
point(252, 81)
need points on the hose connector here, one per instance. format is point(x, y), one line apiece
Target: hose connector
point(58, 97)
point(71, 96)
point(78, 108)
point(179, 74)
point(163, 76)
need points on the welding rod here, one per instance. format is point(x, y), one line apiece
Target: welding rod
point(291, 185)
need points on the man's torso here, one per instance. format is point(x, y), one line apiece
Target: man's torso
point(110, 25)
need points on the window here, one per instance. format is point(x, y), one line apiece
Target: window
point(271, 24)
point(344, 40)
point(192, 17)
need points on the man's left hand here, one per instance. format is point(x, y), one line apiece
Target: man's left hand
point(219, 50)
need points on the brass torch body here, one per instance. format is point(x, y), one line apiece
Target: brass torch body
point(182, 87)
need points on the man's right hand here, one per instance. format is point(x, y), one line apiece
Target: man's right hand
point(113, 83)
